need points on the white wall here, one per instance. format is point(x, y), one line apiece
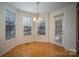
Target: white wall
point(69, 26)
point(6, 45)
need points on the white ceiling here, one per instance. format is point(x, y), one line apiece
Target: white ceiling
point(43, 6)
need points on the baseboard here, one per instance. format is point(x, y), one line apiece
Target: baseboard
point(68, 49)
point(74, 50)
point(11, 48)
point(40, 41)
point(7, 50)
point(71, 52)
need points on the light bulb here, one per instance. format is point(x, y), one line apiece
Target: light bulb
point(34, 19)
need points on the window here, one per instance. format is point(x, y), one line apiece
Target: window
point(27, 25)
point(58, 28)
point(41, 26)
point(9, 24)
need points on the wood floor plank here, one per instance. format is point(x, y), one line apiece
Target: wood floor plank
point(37, 49)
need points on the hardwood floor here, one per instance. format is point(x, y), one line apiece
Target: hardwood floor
point(37, 49)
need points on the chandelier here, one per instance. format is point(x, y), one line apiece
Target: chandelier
point(37, 18)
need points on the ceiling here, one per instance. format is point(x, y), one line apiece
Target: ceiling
point(43, 6)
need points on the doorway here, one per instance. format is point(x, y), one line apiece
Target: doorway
point(59, 31)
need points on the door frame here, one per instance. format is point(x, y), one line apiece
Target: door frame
point(77, 27)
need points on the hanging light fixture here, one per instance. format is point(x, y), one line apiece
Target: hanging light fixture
point(37, 18)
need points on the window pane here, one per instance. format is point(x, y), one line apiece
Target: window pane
point(27, 25)
point(9, 24)
point(41, 26)
point(58, 29)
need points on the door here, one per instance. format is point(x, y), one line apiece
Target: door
point(59, 31)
